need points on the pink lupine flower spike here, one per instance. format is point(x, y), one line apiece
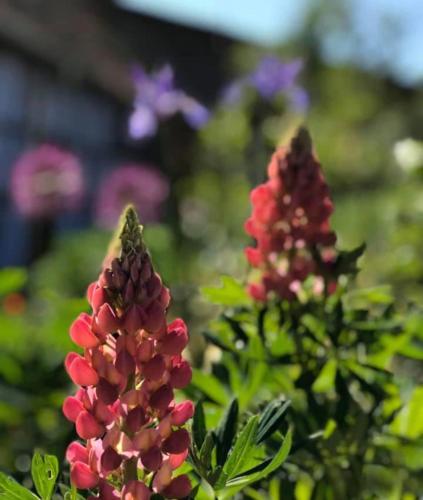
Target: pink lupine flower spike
point(290, 223)
point(124, 412)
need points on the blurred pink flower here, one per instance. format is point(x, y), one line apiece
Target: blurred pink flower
point(46, 181)
point(143, 186)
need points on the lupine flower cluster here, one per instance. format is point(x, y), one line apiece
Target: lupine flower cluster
point(45, 181)
point(132, 430)
point(157, 99)
point(290, 222)
point(140, 185)
point(271, 77)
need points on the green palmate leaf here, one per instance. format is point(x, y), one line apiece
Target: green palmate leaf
point(12, 279)
point(241, 452)
point(266, 468)
point(11, 490)
point(231, 293)
point(210, 386)
point(271, 419)
point(326, 378)
point(199, 430)
point(44, 471)
point(226, 431)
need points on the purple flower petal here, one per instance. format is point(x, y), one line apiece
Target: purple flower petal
point(169, 103)
point(232, 93)
point(142, 123)
point(157, 99)
point(299, 99)
point(273, 76)
point(164, 79)
point(195, 114)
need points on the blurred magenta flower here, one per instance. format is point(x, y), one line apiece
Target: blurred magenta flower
point(46, 181)
point(156, 99)
point(143, 186)
point(271, 77)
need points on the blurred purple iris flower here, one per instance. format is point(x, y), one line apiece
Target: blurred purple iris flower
point(47, 181)
point(271, 77)
point(142, 185)
point(157, 99)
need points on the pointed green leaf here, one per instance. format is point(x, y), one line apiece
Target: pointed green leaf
point(199, 425)
point(226, 431)
point(11, 490)
point(271, 419)
point(207, 449)
point(254, 475)
point(210, 386)
point(326, 378)
point(241, 452)
point(44, 471)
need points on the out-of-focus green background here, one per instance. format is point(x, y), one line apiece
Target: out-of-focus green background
point(65, 78)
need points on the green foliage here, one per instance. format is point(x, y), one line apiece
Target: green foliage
point(12, 279)
point(45, 470)
point(11, 490)
point(339, 360)
point(231, 293)
point(227, 460)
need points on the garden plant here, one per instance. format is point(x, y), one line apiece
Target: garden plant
point(306, 389)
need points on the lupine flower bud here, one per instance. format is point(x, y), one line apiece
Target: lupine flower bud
point(290, 223)
point(152, 459)
point(161, 399)
point(182, 412)
point(154, 368)
point(81, 334)
point(72, 407)
point(132, 361)
point(176, 339)
point(107, 392)
point(76, 453)
point(98, 297)
point(177, 442)
point(180, 375)
point(110, 459)
point(106, 319)
point(176, 460)
point(135, 419)
point(125, 363)
point(80, 371)
point(87, 426)
point(82, 476)
point(136, 490)
point(179, 487)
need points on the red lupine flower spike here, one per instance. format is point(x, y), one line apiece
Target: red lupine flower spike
point(125, 410)
point(290, 223)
